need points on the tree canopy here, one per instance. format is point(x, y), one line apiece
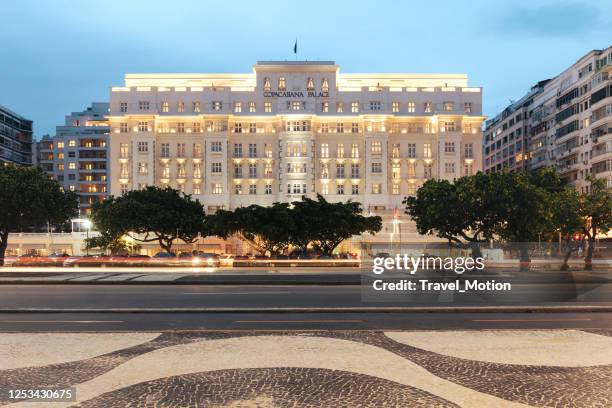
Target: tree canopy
point(30, 198)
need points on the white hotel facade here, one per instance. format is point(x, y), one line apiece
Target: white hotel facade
point(290, 129)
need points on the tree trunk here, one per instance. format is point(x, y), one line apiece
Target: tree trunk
point(588, 260)
point(476, 252)
point(568, 254)
point(525, 261)
point(3, 245)
point(165, 244)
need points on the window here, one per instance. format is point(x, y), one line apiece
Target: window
point(180, 150)
point(268, 169)
point(143, 147)
point(324, 127)
point(340, 170)
point(268, 189)
point(124, 189)
point(216, 188)
point(197, 107)
point(180, 127)
point(123, 106)
point(237, 149)
point(268, 150)
point(72, 166)
point(252, 127)
point(324, 106)
point(411, 170)
point(197, 188)
point(217, 105)
point(468, 150)
point(237, 107)
point(143, 126)
point(72, 187)
point(124, 170)
point(448, 106)
point(411, 189)
point(123, 150)
point(324, 85)
point(449, 147)
point(325, 150)
point(180, 107)
point(467, 107)
point(395, 171)
point(395, 106)
point(395, 150)
point(237, 127)
point(395, 189)
point(324, 170)
point(449, 168)
point(427, 150)
point(60, 167)
point(296, 105)
point(143, 168)
point(376, 188)
point(340, 127)
point(376, 167)
point(354, 170)
point(340, 150)
point(411, 107)
point(215, 167)
point(238, 189)
point(216, 147)
point(252, 107)
point(325, 188)
point(354, 107)
point(60, 145)
point(123, 128)
point(197, 128)
point(339, 107)
point(143, 105)
point(468, 169)
point(252, 150)
point(354, 151)
point(165, 150)
point(427, 107)
point(310, 84)
point(297, 149)
point(252, 189)
point(164, 106)
point(448, 127)
point(374, 105)
point(180, 171)
point(252, 170)
point(72, 143)
point(354, 127)
point(267, 86)
point(267, 107)
point(376, 147)
point(281, 84)
point(355, 189)
point(340, 188)
point(412, 150)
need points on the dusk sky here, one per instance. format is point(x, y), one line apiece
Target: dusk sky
point(59, 56)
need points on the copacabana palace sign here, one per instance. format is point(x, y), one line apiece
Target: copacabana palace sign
point(295, 94)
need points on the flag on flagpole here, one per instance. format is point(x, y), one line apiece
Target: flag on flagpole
point(295, 47)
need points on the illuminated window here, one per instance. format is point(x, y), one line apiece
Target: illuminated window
point(60, 167)
point(354, 127)
point(427, 150)
point(181, 173)
point(237, 107)
point(376, 188)
point(324, 127)
point(354, 151)
point(376, 167)
point(355, 189)
point(340, 127)
point(72, 187)
point(216, 188)
point(72, 143)
point(72, 166)
point(238, 189)
point(340, 150)
point(268, 169)
point(395, 171)
point(310, 84)
point(197, 107)
point(395, 189)
point(296, 105)
point(60, 145)
point(166, 171)
point(411, 189)
point(324, 106)
point(180, 107)
point(395, 106)
point(324, 150)
point(60, 156)
point(354, 107)
point(467, 107)
point(411, 170)
point(267, 107)
point(180, 127)
point(143, 168)
point(448, 106)
point(196, 128)
point(124, 189)
point(339, 107)
point(281, 84)
point(143, 147)
point(123, 128)
point(340, 188)
point(411, 107)
point(164, 106)
point(468, 169)
point(427, 107)
point(197, 171)
point(324, 85)
point(252, 107)
point(267, 86)
point(411, 149)
point(268, 190)
point(123, 150)
point(325, 189)
point(197, 188)
point(376, 147)
point(427, 171)
point(395, 151)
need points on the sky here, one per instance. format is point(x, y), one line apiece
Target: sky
point(58, 56)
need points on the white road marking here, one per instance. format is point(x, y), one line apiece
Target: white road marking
point(61, 321)
point(531, 320)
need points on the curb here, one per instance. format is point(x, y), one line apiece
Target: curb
point(415, 309)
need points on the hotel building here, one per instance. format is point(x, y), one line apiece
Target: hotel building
point(565, 122)
point(15, 138)
point(295, 128)
point(77, 156)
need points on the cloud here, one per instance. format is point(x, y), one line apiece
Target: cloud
point(554, 20)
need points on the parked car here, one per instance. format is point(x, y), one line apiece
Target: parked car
point(88, 260)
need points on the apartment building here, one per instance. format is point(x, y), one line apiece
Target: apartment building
point(77, 156)
point(15, 138)
point(568, 120)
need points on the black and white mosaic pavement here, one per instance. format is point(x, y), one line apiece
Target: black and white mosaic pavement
point(245, 369)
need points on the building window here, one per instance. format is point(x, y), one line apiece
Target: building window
point(124, 150)
point(427, 170)
point(395, 106)
point(252, 107)
point(395, 171)
point(143, 168)
point(340, 170)
point(411, 150)
point(164, 106)
point(197, 108)
point(180, 127)
point(72, 166)
point(411, 189)
point(354, 107)
point(216, 147)
point(340, 150)
point(237, 149)
point(143, 147)
point(376, 147)
point(252, 149)
point(216, 188)
point(310, 84)
point(448, 106)
point(181, 173)
point(238, 189)
point(268, 189)
point(324, 85)
point(355, 189)
point(217, 105)
point(354, 151)
point(165, 150)
point(267, 86)
point(395, 150)
point(252, 127)
point(215, 167)
point(354, 170)
point(143, 105)
point(375, 105)
point(237, 127)
point(411, 170)
point(252, 170)
point(324, 150)
point(143, 126)
point(339, 107)
point(296, 105)
point(60, 145)
point(281, 84)
point(325, 189)
point(467, 107)
point(340, 188)
point(376, 167)
point(427, 108)
point(376, 188)
point(124, 171)
point(180, 150)
point(197, 171)
point(197, 188)
point(354, 127)
point(268, 169)
point(468, 169)
point(180, 107)
point(123, 107)
point(124, 189)
point(448, 127)
point(449, 168)
point(427, 150)
point(72, 143)
point(267, 107)
point(252, 189)
point(165, 171)
point(449, 147)
point(468, 150)
point(324, 107)
point(411, 107)
point(237, 107)
point(395, 189)
point(197, 128)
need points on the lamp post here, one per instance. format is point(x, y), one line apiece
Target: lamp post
point(87, 225)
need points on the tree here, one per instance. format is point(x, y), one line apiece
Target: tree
point(30, 198)
point(567, 221)
point(465, 212)
point(151, 215)
point(596, 210)
point(113, 244)
point(332, 223)
point(267, 229)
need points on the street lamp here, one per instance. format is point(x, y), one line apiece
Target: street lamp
point(87, 225)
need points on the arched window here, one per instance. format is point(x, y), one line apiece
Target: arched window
point(267, 85)
point(310, 84)
point(324, 85)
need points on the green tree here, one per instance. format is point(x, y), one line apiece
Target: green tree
point(596, 210)
point(154, 214)
point(466, 212)
point(30, 198)
point(567, 221)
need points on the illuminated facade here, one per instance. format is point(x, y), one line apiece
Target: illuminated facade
point(15, 138)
